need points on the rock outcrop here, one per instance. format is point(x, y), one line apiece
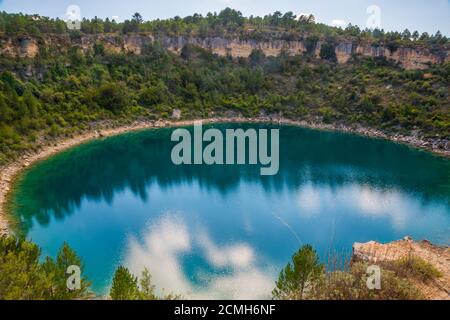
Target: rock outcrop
point(408, 57)
point(439, 257)
point(22, 47)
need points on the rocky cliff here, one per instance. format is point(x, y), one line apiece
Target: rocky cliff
point(407, 57)
point(439, 257)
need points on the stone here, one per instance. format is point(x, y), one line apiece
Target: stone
point(439, 257)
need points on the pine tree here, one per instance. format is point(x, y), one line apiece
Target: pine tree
point(299, 276)
point(23, 277)
point(147, 290)
point(124, 286)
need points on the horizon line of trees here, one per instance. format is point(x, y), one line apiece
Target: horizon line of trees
point(227, 21)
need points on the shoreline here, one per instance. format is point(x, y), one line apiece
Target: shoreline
point(10, 172)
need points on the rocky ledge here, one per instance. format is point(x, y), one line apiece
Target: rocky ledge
point(439, 257)
point(410, 57)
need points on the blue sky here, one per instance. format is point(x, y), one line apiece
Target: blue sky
point(422, 15)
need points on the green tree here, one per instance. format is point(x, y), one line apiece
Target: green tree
point(57, 270)
point(187, 51)
point(5, 111)
point(327, 52)
point(124, 285)
point(137, 17)
point(256, 57)
point(299, 275)
point(112, 96)
point(147, 289)
point(406, 35)
point(23, 277)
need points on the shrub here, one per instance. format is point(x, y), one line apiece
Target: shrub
point(305, 278)
point(417, 268)
point(112, 96)
point(327, 52)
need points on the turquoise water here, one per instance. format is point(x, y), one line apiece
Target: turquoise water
point(226, 231)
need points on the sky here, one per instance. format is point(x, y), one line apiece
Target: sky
point(421, 15)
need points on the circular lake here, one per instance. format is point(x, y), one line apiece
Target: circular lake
point(225, 231)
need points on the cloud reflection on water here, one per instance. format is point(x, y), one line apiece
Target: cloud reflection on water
point(167, 241)
point(398, 207)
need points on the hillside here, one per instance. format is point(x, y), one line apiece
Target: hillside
point(408, 57)
point(56, 83)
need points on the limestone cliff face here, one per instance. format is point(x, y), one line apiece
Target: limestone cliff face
point(236, 47)
point(23, 48)
point(439, 257)
point(408, 58)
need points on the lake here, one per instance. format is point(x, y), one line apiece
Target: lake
point(225, 231)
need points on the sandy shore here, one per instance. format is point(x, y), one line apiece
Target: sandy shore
point(11, 171)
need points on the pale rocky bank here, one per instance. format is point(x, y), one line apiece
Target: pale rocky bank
point(439, 257)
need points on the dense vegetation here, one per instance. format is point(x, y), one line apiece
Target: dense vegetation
point(228, 22)
point(57, 94)
point(126, 286)
point(25, 276)
point(305, 277)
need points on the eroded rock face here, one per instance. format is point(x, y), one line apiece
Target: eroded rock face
point(439, 257)
point(28, 48)
point(235, 47)
point(23, 48)
point(415, 58)
point(344, 52)
point(3, 227)
point(408, 58)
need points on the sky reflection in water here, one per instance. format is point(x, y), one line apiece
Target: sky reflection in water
point(221, 231)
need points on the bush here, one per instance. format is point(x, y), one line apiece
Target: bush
point(305, 278)
point(327, 52)
point(416, 267)
point(112, 96)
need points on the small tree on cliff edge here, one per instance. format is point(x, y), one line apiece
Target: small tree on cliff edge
point(299, 275)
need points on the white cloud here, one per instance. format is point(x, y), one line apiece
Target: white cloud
point(169, 239)
point(244, 285)
point(369, 202)
point(308, 201)
point(162, 245)
point(235, 256)
point(383, 204)
point(338, 23)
